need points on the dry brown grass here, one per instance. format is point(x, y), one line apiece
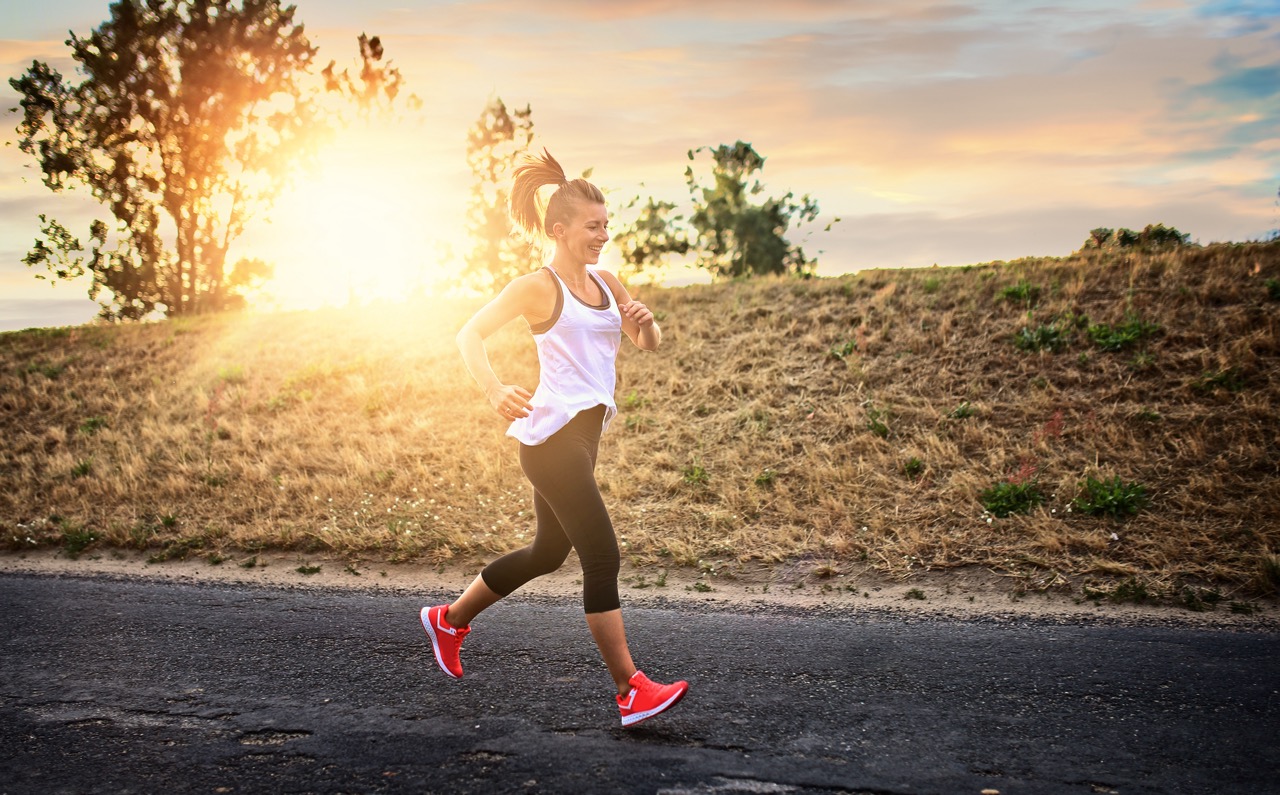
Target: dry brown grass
point(744, 440)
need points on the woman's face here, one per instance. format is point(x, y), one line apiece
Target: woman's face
point(585, 234)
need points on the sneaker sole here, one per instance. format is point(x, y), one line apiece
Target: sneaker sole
point(637, 717)
point(435, 642)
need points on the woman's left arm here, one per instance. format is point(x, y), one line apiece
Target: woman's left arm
point(637, 319)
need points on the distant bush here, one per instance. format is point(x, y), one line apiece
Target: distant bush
point(1153, 237)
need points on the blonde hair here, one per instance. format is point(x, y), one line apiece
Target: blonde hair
point(536, 172)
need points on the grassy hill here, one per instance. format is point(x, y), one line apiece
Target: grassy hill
point(1105, 424)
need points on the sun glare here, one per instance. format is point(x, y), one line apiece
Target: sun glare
point(359, 227)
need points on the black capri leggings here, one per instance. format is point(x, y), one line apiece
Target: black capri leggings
point(570, 513)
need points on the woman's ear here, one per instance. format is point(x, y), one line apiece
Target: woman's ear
point(557, 230)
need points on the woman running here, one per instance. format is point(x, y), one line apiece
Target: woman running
point(577, 315)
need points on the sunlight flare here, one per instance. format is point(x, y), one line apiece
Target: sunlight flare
point(358, 227)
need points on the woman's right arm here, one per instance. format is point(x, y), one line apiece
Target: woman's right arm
point(516, 299)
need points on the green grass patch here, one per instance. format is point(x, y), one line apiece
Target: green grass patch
point(1005, 498)
point(1121, 336)
point(1045, 337)
point(92, 425)
point(75, 538)
point(1024, 292)
point(1113, 497)
point(844, 350)
point(1230, 379)
point(876, 422)
point(695, 475)
point(633, 401)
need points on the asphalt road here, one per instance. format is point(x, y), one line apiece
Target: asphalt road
point(114, 685)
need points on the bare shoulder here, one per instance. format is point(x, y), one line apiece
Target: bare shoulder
point(531, 287)
point(532, 295)
point(615, 286)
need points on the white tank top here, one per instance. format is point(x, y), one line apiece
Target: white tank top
point(577, 349)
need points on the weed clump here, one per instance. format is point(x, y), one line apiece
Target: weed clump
point(1044, 337)
point(1007, 498)
point(1113, 497)
point(1023, 292)
point(1123, 335)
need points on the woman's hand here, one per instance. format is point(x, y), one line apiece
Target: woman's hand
point(637, 312)
point(512, 402)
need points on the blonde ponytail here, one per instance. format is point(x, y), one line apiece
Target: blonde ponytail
point(535, 173)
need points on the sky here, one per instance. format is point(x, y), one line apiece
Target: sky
point(939, 132)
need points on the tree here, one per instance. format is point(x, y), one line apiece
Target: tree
point(736, 237)
point(494, 145)
point(654, 235)
point(187, 122)
point(377, 85)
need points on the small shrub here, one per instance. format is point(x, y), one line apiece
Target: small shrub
point(305, 569)
point(637, 423)
point(914, 593)
point(1130, 591)
point(92, 425)
point(1115, 338)
point(48, 370)
point(1041, 338)
point(1268, 576)
point(233, 374)
point(1273, 289)
point(841, 352)
point(1114, 497)
point(634, 401)
point(695, 475)
point(1007, 498)
point(1229, 379)
point(1199, 600)
point(75, 539)
point(180, 549)
point(876, 424)
point(1023, 292)
point(914, 468)
point(1142, 361)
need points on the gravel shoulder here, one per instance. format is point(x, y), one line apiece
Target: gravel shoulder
point(976, 594)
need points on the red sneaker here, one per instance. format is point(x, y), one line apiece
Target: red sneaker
point(648, 698)
point(446, 640)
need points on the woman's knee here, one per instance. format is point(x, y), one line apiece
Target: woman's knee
point(545, 561)
point(600, 583)
point(601, 564)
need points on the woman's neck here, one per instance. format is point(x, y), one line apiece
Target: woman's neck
point(569, 269)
